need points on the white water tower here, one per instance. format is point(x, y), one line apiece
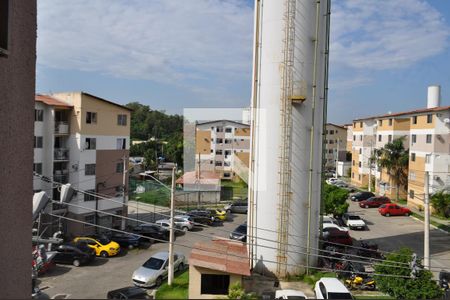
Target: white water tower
point(288, 105)
point(434, 96)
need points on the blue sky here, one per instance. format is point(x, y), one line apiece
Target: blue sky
point(384, 53)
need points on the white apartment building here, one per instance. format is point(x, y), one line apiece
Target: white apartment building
point(223, 147)
point(83, 140)
point(335, 145)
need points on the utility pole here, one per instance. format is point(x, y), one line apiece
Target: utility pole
point(125, 190)
point(337, 158)
point(426, 245)
point(171, 237)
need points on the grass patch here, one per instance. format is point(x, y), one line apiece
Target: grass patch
point(402, 201)
point(312, 278)
point(438, 225)
point(159, 196)
point(178, 290)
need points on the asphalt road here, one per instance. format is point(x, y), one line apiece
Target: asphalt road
point(105, 274)
point(391, 233)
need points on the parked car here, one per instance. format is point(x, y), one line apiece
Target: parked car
point(165, 223)
point(102, 245)
point(76, 254)
point(392, 209)
point(334, 235)
point(125, 240)
point(290, 294)
point(237, 207)
point(341, 184)
point(374, 202)
point(184, 222)
point(331, 288)
point(360, 196)
point(240, 233)
point(155, 232)
point(331, 180)
point(201, 217)
point(218, 214)
point(132, 292)
point(353, 221)
point(328, 221)
point(154, 270)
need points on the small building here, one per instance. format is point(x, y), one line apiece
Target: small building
point(203, 188)
point(214, 266)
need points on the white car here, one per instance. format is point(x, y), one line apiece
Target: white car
point(332, 225)
point(331, 180)
point(353, 221)
point(331, 288)
point(328, 221)
point(184, 222)
point(290, 294)
point(155, 270)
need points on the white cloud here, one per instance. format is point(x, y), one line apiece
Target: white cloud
point(384, 35)
point(168, 41)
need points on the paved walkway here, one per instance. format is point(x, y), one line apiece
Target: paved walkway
point(432, 218)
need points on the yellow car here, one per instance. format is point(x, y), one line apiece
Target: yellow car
point(103, 246)
point(218, 214)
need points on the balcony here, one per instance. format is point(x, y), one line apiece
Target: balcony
point(61, 154)
point(61, 178)
point(61, 128)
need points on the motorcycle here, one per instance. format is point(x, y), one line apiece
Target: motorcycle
point(369, 250)
point(357, 282)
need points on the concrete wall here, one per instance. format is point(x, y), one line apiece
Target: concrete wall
point(195, 280)
point(17, 86)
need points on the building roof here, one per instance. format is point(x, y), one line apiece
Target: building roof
point(340, 126)
point(221, 255)
point(107, 101)
point(411, 112)
point(216, 121)
point(51, 101)
point(206, 178)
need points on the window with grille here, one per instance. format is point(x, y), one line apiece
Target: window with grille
point(429, 138)
point(89, 169)
point(38, 115)
point(90, 144)
point(38, 141)
point(413, 138)
point(429, 119)
point(413, 157)
point(91, 117)
point(414, 120)
point(37, 167)
point(121, 144)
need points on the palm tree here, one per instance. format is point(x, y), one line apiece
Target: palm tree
point(395, 159)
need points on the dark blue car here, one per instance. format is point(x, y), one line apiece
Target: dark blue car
point(129, 241)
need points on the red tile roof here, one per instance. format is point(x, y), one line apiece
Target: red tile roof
point(206, 177)
point(51, 101)
point(412, 112)
point(221, 255)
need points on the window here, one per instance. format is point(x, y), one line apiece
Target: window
point(412, 175)
point(119, 167)
point(91, 117)
point(228, 141)
point(330, 142)
point(359, 164)
point(414, 120)
point(427, 158)
point(429, 119)
point(38, 141)
point(353, 163)
point(360, 124)
point(218, 163)
point(360, 137)
point(389, 138)
point(89, 169)
point(330, 150)
point(38, 115)
point(411, 194)
point(360, 150)
point(379, 137)
point(331, 131)
point(219, 129)
point(219, 141)
point(211, 162)
point(359, 177)
point(228, 129)
point(122, 120)
point(326, 131)
point(89, 196)
point(121, 144)
point(354, 137)
point(4, 20)
point(90, 144)
point(413, 157)
point(380, 122)
point(219, 152)
point(89, 219)
point(390, 122)
point(214, 284)
point(353, 174)
point(228, 175)
point(428, 138)
point(227, 152)
point(37, 168)
point(413, 138)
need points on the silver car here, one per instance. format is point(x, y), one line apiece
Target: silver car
point(237, 207)
point(184, 224)
point(155, 270)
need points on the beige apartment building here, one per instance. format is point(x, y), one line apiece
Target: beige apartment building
point(83, 140)
point(335, 145)
point(426, 134)
point(223, 147)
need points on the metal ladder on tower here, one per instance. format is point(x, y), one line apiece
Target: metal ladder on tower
point(286, 100)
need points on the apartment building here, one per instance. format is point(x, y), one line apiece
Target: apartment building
point(364, 131)
point(335, 145)
point(223, 147)
point(83, 140)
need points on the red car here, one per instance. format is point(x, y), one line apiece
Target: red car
point(391, 209)
point(374, 202)
point(334, 235)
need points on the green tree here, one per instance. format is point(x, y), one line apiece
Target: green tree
point(335, 200)
point(441, 203)
point(394, 158)
point(400, 285)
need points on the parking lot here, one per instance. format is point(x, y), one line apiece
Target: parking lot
point(93, 281)
point(391, 233)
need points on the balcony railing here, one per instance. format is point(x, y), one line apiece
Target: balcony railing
point(61, 154)
point(61, 128)
point(61, 178)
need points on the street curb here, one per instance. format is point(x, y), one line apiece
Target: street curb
point(431, 225)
